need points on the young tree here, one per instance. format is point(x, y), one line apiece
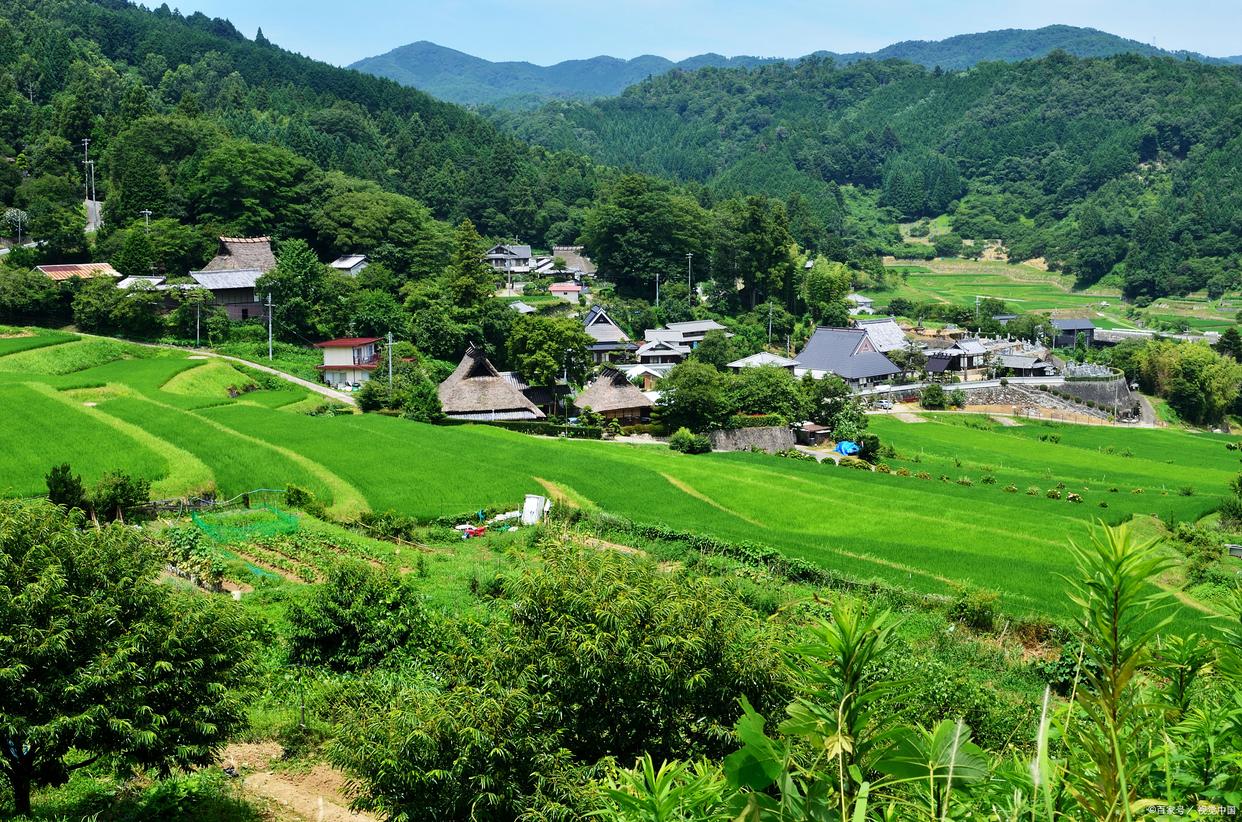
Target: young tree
point(137, 255)
point(824, 286)
point(295, 284)
point(543, 349)
point(65, 489)
point(768, 389)
point(693, 396)
point(469, 280)
point(101, 663)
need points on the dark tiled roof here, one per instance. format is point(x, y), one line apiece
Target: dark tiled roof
point(1073, 324)
point(833, 350)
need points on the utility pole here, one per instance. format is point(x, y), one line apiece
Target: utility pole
point(769, 323)
point(390, 361)
point(269, 326)
point(657, 289)
point(86, 159)
point(689, 269)
point(198, 310)
point(146, 215)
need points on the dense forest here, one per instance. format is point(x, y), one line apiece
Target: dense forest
point(1123, 169)
point(168, 101)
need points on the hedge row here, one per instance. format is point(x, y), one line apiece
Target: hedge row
point(755, 421)
point(544, 429)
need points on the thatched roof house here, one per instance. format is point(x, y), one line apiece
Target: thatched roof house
point(612, 395)
point(243, 254)
point(477, 391)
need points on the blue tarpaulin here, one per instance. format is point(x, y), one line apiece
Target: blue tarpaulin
point(846, 448)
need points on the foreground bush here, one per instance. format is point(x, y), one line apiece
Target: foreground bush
point(685, 441)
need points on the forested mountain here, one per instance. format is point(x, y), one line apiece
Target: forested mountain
point(461, 78)
point(193, 121)
point(1125, 167)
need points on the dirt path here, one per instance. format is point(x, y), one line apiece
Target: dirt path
point(906, 416)
point(1008, 422)
point(317, 794)
point(819, 456)
point(699, 495)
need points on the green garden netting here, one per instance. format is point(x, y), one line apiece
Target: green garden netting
point(244, 524)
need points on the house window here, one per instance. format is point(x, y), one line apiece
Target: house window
point(245, 313)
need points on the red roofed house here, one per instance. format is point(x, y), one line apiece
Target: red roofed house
point(348, 361)
point(83, 271)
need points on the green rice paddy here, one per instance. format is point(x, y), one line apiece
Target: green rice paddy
point(925, 534)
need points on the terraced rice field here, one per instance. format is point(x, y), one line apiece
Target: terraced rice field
point(925, 534)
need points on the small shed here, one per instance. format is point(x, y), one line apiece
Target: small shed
point(351, 264)
point(812, 433)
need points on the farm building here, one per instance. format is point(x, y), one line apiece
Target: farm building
point(612, 395)
point(764, 358)
point(611, 343)
point(649, 374)
point(349, 360)
point(351, 264)
point(860, 304)
point(1068, 329)
point(547, 398)
point(233, 290)
point(230, 275)
point(507, 257)
point(847, 353)
point(885, 334)
point(811, 433)
point(78, 271)
point(477, 391)
point(243, 254)
point(692, 332)
point(569, 291)
point(662, 352)
point(962, 355)
point(1024, 365)
point(522, 308)
point(141, 282)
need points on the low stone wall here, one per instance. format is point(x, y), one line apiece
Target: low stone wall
point(1106, 393)
point(770, 440)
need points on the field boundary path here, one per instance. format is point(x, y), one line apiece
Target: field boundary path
point(322, 390)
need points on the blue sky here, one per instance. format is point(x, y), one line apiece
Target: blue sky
point(548, 31)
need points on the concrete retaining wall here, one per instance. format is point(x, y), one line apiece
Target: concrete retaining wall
point(770, 440)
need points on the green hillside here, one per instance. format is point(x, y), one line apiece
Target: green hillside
point(135, 408)
point(1122, 169)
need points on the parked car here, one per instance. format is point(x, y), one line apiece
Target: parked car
point(884, 405)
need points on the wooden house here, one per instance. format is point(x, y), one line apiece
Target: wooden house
point(612, 395)
point(477, 391)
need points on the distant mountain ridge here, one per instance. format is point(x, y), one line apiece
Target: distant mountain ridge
point(462, 78)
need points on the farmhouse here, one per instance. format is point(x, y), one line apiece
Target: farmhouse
point(649, 374)
point(547, 398)
point(860, 304)
point(78, 271)
point(351, 264)
point(508, 257)
point(1068, 329)
point(232, 273)
point(234, 290)
point(885, 334)
point(692, 332)
point(764, 358)
point(847, 353)
point(611, 343)
point(477, 391)
point(1024, 365)
point(612, 395)
point(662, 352)
point(962, 355)
point(349, 360)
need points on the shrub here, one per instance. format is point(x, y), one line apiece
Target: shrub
point(1231, 513)
point(1103, 504)
point(903, 471)
point(976, 608)
point(923, 475)
point(957, 398)
point(1011, 489)
point(755, 421)
point(1072, 497)
point(988, 480)
point(117, 492)
point(1053, 493)
point(1186, 490)
point(686, 442)
point(967, 481)
point(933, 397)
point(883, 468)
point(855, 462)
point(64, 488)
point(1032, 491)
point(298, 497)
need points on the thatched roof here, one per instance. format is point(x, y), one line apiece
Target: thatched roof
point(243, 253)
point(611, 391)
point(476, 390)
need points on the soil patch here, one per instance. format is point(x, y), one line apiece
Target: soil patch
point(905, 416)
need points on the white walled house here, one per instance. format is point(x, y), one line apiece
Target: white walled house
point(349, 360)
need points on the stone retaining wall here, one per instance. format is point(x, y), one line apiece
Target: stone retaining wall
point(770, 440)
